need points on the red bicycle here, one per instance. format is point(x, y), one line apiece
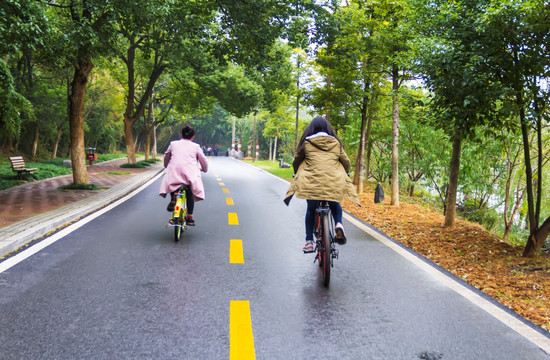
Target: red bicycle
point(325, 234)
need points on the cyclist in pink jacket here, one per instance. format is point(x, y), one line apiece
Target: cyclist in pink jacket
point(184, 161)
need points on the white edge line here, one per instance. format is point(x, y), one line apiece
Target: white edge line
point(517, 325)
point(16, 259)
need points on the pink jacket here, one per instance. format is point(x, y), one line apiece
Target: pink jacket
point(182, 160)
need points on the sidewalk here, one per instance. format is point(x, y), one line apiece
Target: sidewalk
point(32, 210)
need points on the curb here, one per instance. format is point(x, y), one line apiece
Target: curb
point(17, 235)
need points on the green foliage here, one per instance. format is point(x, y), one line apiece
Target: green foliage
point(138, 165)
point(451, 52)
point(487, 217)
point(12, 105)
point(24, 25)
point(48, 169)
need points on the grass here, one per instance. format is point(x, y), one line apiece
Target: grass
point(73, 186)
point(273, 168)
point(46, 169)
point(118, 173)
point(141, 164)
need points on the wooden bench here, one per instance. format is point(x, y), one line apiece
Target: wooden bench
point(18, 166)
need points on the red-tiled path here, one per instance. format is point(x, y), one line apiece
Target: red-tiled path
point(37, 197)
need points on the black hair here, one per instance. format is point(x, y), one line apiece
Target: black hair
point(318, 124)
point(187, 132)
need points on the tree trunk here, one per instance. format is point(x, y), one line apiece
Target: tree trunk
point(270, 149)
point(329, 83)
point(368, 142)
point(395, 141)
point(296, 136)
point(154, 146)
point(76, 119)
point(147, 128)
point(275, 146)
point(254, 138)
point(359, 177)
point(56, 143)
point(450, 210)
point(35, 141)
point(537, 239)
point(62, 123)
point(129, 137)
point(131, 114)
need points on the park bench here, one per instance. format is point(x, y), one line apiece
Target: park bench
point(18, 166)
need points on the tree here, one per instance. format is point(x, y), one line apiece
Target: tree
point(451, 51)
point(12, 105)
point(518, 31)
point(395, 34)
point(85, 27)
point(350, 58)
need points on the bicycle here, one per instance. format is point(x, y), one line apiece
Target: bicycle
point(179, 218)
point(325, 235)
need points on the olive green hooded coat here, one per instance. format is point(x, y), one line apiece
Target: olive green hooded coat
point(321, 171)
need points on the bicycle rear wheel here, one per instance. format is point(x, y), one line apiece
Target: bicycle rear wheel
point(180, 212)
point(326, 251)
point(177, 230)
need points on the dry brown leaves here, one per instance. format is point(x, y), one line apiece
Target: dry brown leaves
point(468, 251)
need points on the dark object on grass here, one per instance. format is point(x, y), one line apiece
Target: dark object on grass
point(283, 165)
point(378, 194)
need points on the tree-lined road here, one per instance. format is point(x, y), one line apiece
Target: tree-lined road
point(119, 287)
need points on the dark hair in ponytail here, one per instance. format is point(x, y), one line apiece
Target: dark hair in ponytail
point(187, 132)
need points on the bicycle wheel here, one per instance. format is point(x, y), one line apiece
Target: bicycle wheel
point(326, 251)
point(318, 235)
point(178, 218)
point(177, 230)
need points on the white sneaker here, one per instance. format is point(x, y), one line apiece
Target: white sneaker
point(309, 247)
point(340, 234)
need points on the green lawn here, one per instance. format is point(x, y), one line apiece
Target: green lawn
point(272, 167)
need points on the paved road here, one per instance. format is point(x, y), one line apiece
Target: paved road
point(119, 287)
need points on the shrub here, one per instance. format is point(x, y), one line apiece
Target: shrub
point(137, 165)
point(73, 186)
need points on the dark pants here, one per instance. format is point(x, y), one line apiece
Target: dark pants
point(335, 209)
point(190, 200)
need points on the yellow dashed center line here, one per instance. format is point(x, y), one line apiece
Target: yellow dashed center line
point(229, 201)
point(225, 190)
point(232, 219)
point(222, 184)
point(241, 339)
point(236, 251)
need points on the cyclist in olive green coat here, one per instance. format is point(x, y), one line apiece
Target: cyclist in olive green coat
point(321, 166)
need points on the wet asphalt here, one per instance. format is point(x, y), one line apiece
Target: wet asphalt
point(119, 287)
